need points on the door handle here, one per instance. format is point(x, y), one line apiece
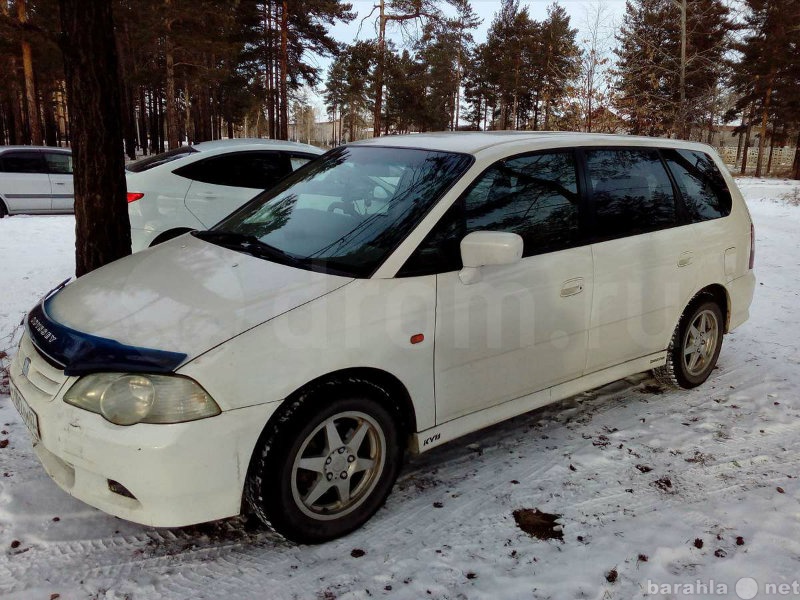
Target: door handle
point(60, 183)
point(572, 287)
point(206, 195)
point(685, 259)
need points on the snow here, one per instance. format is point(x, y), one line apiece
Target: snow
point(601, 460)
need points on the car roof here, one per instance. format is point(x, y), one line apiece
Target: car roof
point(241, 143)
point(48, 148)
point(473, 142)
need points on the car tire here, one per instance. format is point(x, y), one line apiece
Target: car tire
point(3, 209)
point(694, 347)
point(327, 463)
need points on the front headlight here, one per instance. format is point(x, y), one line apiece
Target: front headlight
point(129, 398)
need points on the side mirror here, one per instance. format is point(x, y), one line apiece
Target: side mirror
point(484, 248)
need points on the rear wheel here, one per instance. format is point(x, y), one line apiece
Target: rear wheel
point(3, 209)
point(694, 348)
point(327, 465)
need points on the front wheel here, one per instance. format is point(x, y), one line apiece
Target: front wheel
point(327, 466)
point(694, 348)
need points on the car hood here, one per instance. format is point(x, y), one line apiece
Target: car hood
point(184, 296)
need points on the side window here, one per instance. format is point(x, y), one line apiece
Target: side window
point(259, 170)
point(534, 196)
point(59, 162)
point(298, 160)
point(631, 191)
point(704, 191)
point(23, 162)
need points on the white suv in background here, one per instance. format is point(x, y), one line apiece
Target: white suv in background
point(194, 187)
point(35, 180)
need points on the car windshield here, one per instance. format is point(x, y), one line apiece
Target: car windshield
point(144, 164)
point(345, 212)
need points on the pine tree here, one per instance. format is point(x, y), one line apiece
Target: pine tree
point(650, 95)
point(102, 229)
point(767, 76)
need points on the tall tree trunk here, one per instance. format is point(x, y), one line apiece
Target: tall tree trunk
point(126, 93)
point(741, 139)
point(102, 228)
point(746, 149)
point(48, 108)
point(187, 117)
point(34, 122)
point(173, 140)
point(771, 150)
point(796, 163)
point(284, 94)
point(764, 118)
point(142, 121)
point(269, 61)
point(379, 67)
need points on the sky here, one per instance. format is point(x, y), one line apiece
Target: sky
point(578, 11)
point(486, 10)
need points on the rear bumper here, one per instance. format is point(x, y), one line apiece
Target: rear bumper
point(740, 293)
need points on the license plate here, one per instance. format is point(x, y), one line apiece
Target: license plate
point(26, 412)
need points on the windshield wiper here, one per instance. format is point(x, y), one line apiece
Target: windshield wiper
point(249, 244)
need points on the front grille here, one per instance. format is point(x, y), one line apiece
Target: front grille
point(42, 380)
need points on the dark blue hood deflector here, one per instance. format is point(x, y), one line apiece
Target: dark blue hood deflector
point(82, 353)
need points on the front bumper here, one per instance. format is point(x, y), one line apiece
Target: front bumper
point(178, 474)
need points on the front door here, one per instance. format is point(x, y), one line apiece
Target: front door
point(24, 182)
point(522, 327)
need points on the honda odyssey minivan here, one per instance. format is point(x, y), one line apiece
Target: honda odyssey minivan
point(393, 295)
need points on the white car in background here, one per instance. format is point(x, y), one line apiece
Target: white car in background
point(35, 180)
point(194, 187)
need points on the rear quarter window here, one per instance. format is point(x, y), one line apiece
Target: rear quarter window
point(703, 190)
point(257, 170)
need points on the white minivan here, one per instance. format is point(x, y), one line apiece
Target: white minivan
point(35, 180)
point(391, 296)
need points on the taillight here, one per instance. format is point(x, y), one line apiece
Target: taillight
point(752, 245)
point(134, 196)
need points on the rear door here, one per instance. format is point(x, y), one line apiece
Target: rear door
point(24, 183)
point(644, 264)
point(59, 167)
point(221, 184)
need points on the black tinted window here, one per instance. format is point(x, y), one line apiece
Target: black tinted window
point(23, 162)
point(534, 196)
point(704, 191)
point(147, 163)
point(259, 170)
point(631, 190)
point(59, 162)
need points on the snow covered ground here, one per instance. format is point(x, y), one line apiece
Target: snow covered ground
point(660, 494)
